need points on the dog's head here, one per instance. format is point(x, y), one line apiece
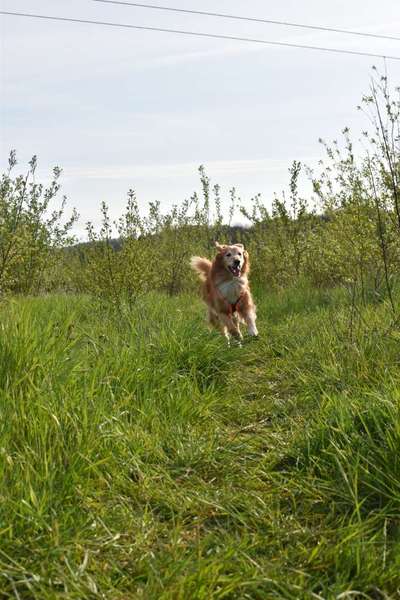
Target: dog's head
point(233, 258)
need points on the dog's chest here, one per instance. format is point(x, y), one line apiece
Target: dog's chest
point(231, 290)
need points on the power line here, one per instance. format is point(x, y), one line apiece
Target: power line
point(252, 19)
point(199, 34)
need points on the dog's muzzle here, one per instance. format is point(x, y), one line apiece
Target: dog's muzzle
point(235, 269)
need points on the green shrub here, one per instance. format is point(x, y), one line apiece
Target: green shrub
point(31, 235)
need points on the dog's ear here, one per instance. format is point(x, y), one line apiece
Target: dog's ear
point(246, 267)
point(220, 247)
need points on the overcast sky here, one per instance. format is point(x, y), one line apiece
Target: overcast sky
point(121, 108)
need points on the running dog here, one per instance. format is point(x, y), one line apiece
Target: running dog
point(226, 290)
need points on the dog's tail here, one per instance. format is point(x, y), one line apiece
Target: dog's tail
point(202, 266)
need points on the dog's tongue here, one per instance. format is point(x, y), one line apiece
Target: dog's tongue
point(236, 271)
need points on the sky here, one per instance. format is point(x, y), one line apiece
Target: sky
point(120, 109)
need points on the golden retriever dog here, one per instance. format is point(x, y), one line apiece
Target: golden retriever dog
point(226, 290)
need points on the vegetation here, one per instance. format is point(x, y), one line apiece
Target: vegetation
point(30, 237)
point(140, 457)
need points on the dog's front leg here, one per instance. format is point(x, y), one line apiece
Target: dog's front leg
point(250, 319)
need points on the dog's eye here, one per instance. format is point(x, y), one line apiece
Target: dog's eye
point(229, 254)
point(240, 254)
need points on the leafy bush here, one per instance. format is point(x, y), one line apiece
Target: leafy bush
point(30, 235)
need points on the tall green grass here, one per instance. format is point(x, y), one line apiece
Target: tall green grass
point(142, 458)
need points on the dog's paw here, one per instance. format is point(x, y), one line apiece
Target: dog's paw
point(253, 338)
point(253, 332)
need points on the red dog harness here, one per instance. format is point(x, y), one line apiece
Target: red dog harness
point(234, 307)
point(231, 307)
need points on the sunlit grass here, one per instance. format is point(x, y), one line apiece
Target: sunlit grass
point(140, 457)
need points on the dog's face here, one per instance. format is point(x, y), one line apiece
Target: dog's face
point(234, 258)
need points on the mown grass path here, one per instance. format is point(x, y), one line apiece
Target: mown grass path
point(142, 458)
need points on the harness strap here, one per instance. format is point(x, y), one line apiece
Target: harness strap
point(234, 307)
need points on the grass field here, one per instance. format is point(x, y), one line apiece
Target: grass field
point(142, 458)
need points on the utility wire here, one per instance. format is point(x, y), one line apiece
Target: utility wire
point(199, 34)
point(252, 19)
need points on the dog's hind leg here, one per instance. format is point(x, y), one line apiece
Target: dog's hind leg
point(213, 320)
point(225, 333)
point(232, 325)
